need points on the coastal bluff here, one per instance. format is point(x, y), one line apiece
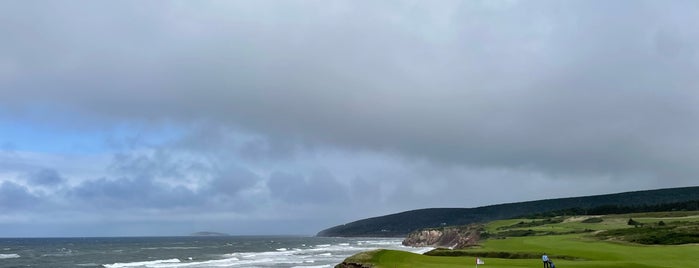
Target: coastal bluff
point(455, 237)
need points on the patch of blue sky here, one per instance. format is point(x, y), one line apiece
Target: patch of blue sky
point(127, 136)
point(28, 136)
point(33, 136)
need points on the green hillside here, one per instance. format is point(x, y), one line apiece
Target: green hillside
point(569, 241)
point(400, 224)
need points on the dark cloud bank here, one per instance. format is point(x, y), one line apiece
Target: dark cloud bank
point(314, 108)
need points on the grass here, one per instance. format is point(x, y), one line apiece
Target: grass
point(674, 233)
point(581, 249)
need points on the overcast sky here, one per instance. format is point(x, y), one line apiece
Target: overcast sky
point(287, 117)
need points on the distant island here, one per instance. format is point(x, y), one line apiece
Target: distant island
point(208, 234)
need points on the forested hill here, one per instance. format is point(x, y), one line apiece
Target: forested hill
point(400, 224)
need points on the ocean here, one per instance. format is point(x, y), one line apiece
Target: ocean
point(223, 251)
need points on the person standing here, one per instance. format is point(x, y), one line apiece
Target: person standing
point(546, 261)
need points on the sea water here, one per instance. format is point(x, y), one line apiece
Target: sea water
point(225, 251)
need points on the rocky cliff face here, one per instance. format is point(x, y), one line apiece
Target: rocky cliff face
point(451, 237)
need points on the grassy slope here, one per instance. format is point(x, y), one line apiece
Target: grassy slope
point(589, 251)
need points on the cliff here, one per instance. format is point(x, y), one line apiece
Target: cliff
point(451, 237)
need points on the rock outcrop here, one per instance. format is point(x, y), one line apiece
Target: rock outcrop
point(346, 264)
point(452, 236)
point(359, 260)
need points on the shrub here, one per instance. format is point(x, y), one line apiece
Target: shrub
point(593, 220)
point(634, 223)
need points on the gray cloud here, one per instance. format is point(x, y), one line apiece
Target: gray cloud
point(318, 188)
point(165, 178)
point(449, 93)
point(46, 176)
point(14, 197)
point(559, 87)
point(131, 193)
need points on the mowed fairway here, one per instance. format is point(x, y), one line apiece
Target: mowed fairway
point(580, 249)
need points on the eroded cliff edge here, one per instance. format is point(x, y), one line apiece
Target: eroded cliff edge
point(446, 237)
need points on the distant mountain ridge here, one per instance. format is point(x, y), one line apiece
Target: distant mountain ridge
point(401, 224)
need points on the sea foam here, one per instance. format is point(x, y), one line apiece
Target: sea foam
point(9, 256)
point(155, 263)
point(312, 256)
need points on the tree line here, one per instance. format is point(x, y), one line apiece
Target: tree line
point(619, 209)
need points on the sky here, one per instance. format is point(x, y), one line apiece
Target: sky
point(128, 118)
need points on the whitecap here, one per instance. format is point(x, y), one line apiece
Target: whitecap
point(322, 255)
point(228, 262)
point(181, 247)
point(9, 256)
point(169, 248)
point(140, 263)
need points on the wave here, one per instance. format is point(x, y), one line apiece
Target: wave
point(169, 248)
point(9, 256)
point(312, 256)
point(155, 263)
